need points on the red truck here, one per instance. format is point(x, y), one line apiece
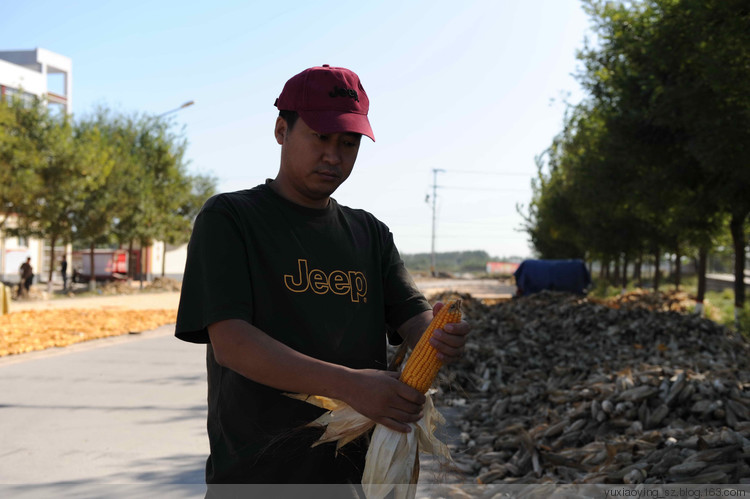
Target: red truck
point(109, 265)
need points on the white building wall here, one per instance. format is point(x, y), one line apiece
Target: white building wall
point(174, 259)
point(19, 77)
point(27, 70)
point(15, 252)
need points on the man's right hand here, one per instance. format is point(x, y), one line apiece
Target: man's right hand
point(380, 396)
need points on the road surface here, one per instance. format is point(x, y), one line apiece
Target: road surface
point(118, 417)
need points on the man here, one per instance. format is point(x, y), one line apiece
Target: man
point(26, 272)
point(64, 272)
point(294, 293)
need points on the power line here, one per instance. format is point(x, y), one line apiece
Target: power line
point(435, 187)
point(459, 188)
point(489, 235)
point(488, 172)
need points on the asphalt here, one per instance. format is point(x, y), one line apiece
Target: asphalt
point(119, 416)
point(116, 417)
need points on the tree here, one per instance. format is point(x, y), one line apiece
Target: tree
point(20, 123)
point(100, 179)
point(61, 168)
point(159, 198)
point(178, 223)
point(93, 220)
point(707, 98)
point(672, 79)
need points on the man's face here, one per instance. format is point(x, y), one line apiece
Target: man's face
point(313, 165)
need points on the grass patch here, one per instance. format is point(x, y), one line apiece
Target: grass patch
point(719, 305)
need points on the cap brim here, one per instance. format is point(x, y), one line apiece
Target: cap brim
point(337, 122)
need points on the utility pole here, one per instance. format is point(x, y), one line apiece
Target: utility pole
point(435, 171)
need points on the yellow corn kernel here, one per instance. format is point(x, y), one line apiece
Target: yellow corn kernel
point(423, 365)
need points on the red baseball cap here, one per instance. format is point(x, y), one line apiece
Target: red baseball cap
point(328, 99)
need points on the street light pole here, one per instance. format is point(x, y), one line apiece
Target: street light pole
point(183, 106)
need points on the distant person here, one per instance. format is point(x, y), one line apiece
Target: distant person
point(27, 276)
point(64, 272)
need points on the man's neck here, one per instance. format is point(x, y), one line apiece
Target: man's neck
point(289, 194)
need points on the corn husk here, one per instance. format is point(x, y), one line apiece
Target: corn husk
point(391, 462)
point(342, 423)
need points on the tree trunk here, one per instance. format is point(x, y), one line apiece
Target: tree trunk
point(737, 226)
point(624, 273)
point(637, 276)
point(657, 261)
point(669, 267)
point(131, 267)
point(702, 258)
point(92, 262)
point(164, 259)
point(52, 241)
point(677, 268)
point(140, 271)
point(616, 277)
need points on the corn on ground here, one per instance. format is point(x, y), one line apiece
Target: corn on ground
point(423, 365)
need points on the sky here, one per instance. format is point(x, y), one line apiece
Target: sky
point(476, 89)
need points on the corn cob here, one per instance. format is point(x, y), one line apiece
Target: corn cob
point(423, 365)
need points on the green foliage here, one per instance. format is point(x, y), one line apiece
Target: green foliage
point(603, 289)
point(723, 301)
point(20, 158)
point(102, 179)
point(656, 157)
point(455, 261)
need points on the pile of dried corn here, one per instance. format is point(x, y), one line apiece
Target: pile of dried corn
point(560, 389)
point(30, 330)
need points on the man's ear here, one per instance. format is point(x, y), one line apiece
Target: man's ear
point(280, 130)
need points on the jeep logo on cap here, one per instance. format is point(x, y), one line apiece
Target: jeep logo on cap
point(344, 92)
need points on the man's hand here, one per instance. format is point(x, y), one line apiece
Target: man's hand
point(380, 396)
point(449, 341)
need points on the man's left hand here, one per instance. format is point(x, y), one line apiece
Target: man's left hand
point(450, 340)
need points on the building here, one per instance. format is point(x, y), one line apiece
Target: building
point(501, 268)
point(49, 76)
point(38, 72)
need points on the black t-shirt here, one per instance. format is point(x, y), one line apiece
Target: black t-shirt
point(327, 283)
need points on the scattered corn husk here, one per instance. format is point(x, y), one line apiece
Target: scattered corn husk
point(342, 423)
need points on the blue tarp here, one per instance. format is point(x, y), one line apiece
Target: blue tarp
point(533, 276)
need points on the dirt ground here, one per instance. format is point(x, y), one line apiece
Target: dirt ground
point(137, 301)
point(479, 288)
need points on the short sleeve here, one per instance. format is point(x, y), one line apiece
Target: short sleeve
point(403, 299)
point(216, 284)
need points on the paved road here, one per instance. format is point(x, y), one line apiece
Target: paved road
point(117, 417)
point(124, 410)
point(478, 288)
